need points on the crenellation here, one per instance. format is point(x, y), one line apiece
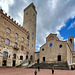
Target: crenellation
point(6, 14)
point(1, 10)
point(9, 17)
point(17, 23)
point(10, 20)
point(14, 21)
point(14, 33)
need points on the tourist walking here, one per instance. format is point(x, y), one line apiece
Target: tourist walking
point(52, 69)
point(35, 72)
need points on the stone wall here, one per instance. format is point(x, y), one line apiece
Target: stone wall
point(6, 22)
point(51, 53)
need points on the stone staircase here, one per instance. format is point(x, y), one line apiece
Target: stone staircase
point(23, 64)
point(58, 65)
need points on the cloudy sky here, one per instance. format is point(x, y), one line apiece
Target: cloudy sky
point(53, 16)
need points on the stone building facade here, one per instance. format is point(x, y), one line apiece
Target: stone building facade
point(17, 43)
point(55, 50)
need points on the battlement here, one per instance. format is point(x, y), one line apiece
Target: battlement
point(31, 5)
point(9, 19)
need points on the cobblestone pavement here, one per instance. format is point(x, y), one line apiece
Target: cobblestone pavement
point(23, 71)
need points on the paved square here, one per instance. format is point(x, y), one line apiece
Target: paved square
point(23, 71)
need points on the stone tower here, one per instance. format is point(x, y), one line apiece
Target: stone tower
point(29, 23)
point(70, 41)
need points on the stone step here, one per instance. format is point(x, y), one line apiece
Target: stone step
point(61, 66)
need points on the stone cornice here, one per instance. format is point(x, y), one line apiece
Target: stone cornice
point(4, 16)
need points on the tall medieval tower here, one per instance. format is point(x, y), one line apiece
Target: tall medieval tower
point(29, 23)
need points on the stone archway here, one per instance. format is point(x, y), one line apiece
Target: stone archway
point(59, 57)
point(31, 57)
point(38, 60)
point(4, 63)
point(26, 57)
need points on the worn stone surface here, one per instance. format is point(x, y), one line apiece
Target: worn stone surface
point(29, 44)
point(55, 50)
point(23, 71)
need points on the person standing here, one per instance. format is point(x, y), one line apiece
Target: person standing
point(38, 68)
point(35, 72)
point(52, 69)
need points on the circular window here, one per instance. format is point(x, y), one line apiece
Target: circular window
point(50, 44)
point(60, 46)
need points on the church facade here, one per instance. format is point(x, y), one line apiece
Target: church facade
point(17, 43)
point(55, 50)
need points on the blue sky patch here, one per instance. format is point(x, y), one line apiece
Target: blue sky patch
point(37, 49)
point(68, 30)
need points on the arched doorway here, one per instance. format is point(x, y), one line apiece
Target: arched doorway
point(43, 59)
point(31, 57)
point(14, 63)
point(38, 60)
point(5, 56)
point(4, 63)
point(21, 57)
point(26, 57)
point(59, 57)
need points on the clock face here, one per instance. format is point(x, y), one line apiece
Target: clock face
point(50, 44)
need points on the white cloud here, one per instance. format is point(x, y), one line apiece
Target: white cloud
point(51, 15)
point(5, 4)
point(72, 25)
point(59, 36)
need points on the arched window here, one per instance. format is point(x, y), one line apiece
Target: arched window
point(15, 44)
point(14, 56)
point(27, 42)
point(21, 57)
point(16, 35)
point(5, 54)
point(32, 33)
point(70, 40)
point(26, 57)
point(7, 41)
point(26, 13)
point(22, 39)
point(31, 57)
point(22, 47)
point(8, 30)
point(28, 37)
